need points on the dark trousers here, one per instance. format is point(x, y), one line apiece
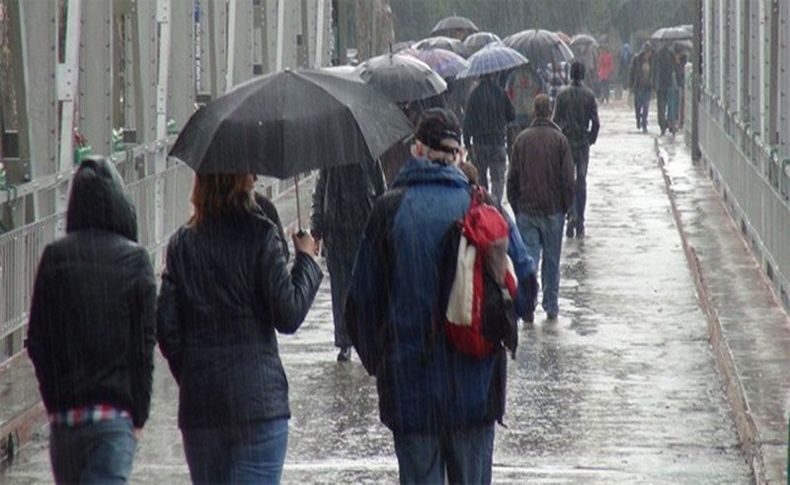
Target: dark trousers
point(494, 158)
point(341, 251)
point(581, 158)
point(454, 456)
point(251, 453)
point(642, 106)
point(661, 102)
point(101, 452)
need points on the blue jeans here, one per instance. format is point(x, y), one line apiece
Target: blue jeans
point(101, 452)
point(252, 453)
point(465, 455)
point(544, 234)
point(642, 105)
point(581, 158)
point(492, 157)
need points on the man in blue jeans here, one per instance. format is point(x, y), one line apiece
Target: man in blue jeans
point(441, 405)
point(540, 188)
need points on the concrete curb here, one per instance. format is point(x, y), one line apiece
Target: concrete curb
point(748, 434)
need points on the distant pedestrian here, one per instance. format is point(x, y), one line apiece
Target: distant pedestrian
point(605, 73)
point(576, 113)
point(624, 65)
point(342, 201)
point(674, 105)
point(440, 405)
point(664, 66)
point(487, 114)
point(640, 80)
point(225, 293)
point(540, 187)
point(91, 332)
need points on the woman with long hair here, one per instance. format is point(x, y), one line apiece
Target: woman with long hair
point(225, 291)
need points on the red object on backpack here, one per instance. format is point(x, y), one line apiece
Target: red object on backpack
point(484, 235)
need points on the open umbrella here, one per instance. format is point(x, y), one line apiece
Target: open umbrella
point(491, 59)
point(477, 41)
point(672, 33)
point(583, 39)
point(540, 47)
point(447, 63)
point(563, 37)
point(402, 78)
point(454, 25)
point(441, 42)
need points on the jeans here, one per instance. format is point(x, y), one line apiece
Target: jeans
point(251, 453)
point(581, 158)
point(465, 455)
point(661, 102)
point(492, 157)
point(673, 107)
point(642, 105)
point(101, 452)
point(544, 233)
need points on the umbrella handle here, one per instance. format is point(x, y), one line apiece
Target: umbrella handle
point(298, 207)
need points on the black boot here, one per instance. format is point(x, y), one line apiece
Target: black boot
point(344, 355)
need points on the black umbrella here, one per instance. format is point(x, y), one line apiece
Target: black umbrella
point(541, 47)
point(450, 25)
point(441, 42)
point(402, 78)
point(477, 41)
point(290, 122)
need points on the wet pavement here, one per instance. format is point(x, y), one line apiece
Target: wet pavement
point(621, 389)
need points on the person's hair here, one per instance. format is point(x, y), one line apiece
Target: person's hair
point(542, 106)
point(577, 71)
point(436, 125)
point(214, 194)
point(470, 171)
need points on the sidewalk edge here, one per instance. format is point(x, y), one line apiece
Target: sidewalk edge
point(748, 434)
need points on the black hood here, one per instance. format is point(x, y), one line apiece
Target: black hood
point(98, 200)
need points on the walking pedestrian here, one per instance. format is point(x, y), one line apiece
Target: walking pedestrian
point(640, 80)
point(540, 187)
point(225, 291)
point(605, 72)
point(440, 404)
point(342, 201)
point(674, 92)
point(624, 64)
point(576, 113)
point(91, 332)
point(663, 66)
point(487, 115)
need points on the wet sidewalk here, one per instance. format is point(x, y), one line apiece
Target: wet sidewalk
point(623, 388)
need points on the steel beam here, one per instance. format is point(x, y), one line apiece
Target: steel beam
point(96, 76)
point(181, 89)
point(217, 46)
point(240, 43)
point(144, 56)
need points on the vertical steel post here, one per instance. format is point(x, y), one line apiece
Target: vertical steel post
point(96, 76)
point(696, 154)
point(278, 64)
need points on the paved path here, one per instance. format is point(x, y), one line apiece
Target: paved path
point(622, 389)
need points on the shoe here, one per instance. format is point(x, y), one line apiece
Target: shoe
point(552, 317)
point(638, 124)
point(344, 355)
point(579, 233)
point(569, 231)
point(529, 317)
point(663, 131)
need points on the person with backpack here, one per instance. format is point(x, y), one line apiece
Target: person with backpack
point(540, 187)
point(440, 403)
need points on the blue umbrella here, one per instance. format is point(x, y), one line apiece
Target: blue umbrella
point(491, 59)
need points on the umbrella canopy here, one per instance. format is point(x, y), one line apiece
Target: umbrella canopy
point(451, 24)
point(440, 42)
point(402, 78)
point(447, 63)
point(491, 59)
point(671, 33)
point(290, 122)
point(477, 41)
point(583, 39)
point(563, 37)
point(541, 47)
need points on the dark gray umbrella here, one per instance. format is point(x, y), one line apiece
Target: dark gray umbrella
point(672, 33)
point(402, 78)
point(441, 42)
point(540, 47)
point(477, 41)
point(450, 24)
point(290, 122)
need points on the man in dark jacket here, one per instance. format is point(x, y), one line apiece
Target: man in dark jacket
point(540, 188)
point(342, 201)
point(663, 67)
point(486, 117)
point(641, 84)
point(440, 405)
point(576, 113)
point(91, 331)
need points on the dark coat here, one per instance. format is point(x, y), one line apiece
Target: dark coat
point(576, 113)
point(636, 77)
point(487, 115)
point(225, 291)
point(540, 180)
point(91, 329)
point(663, 66)
point(423, 384)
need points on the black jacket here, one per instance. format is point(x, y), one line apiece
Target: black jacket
point(225, 291)
point(487, 115)
point(576, 113)
point(91, 330)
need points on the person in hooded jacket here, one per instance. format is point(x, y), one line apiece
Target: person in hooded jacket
point(342, 201)
point(91, 332)
point(440, 404)
point(225, 293)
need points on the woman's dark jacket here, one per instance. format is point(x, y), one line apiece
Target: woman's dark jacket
point(91, 329)
point(225, 291)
